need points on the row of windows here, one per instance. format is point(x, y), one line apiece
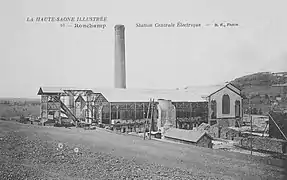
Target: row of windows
point(183, 114)
point(125, 114)
point(187, 114)
point(141, 114)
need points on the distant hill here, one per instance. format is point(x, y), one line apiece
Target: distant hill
point(259, 87)
point(263, 79)
point(29, 100)
point(15, 107)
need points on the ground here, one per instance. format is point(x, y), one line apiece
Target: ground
point(32, 152)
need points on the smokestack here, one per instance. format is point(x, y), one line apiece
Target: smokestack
point(120, 66)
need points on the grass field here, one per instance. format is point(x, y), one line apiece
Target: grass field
point(105, 155)
point(8, 110)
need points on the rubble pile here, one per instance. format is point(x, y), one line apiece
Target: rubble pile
point(214, 131)
point(203, 127)
point(229, 133)
point(23, 158)
point(210, 130)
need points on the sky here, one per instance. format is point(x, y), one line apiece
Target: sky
point(45, 54)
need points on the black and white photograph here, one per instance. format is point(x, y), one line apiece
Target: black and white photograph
point(143, 90)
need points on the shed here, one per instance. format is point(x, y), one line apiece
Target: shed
point(194, 137)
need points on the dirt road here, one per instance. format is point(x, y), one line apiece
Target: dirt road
point(32, 152)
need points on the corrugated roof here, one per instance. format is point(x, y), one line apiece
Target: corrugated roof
point(186, 135)
point(52, 89)
point(122, 95)
point(135, 95)
point(143, 95)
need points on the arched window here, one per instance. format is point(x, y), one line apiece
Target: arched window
point(213, 109)
point(237, 108)
point(225, 104)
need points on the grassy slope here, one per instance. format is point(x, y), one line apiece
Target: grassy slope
point(260, 84)
point(187, 157)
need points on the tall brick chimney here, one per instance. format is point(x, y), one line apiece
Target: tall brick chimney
point(120, 65)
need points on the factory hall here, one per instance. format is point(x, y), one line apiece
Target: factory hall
point(133, 110)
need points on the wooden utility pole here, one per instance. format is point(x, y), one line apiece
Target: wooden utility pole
point(251, 134)
point(250, 125)
point(151, 118)
point(146, 118)
point(264, 130)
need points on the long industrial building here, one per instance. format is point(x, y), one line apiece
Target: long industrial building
point(127, 109)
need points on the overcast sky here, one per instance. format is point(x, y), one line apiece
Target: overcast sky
point(34, 55)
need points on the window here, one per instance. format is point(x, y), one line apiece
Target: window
point(225, 104)
point(139, 113)
point(114, 111)
point(237, 108)
point(122, 114)
point(106, 112)
point(114, 114)
point(183, 110)
point(127, 114)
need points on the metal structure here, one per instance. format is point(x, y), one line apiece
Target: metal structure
point(77, 106)
point(86, 106)
point(190, 114)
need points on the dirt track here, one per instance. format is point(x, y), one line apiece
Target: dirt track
point(30, 152)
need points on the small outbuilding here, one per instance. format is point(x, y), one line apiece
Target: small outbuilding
point(224, 103)
point(193, 137)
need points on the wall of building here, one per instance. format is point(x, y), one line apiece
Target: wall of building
point(190, 114)
point(190, 110)
point(205, 141)
point(166, 114)
point(218, 98)
point(265, 144)
point(138, 110)
point(43, 108)
point(127, 128)
point(50, 109)
point(88, 107)
point(124, 111)
point(226, 122)
point(227, 133)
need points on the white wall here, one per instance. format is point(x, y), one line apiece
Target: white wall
point(233, 97)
